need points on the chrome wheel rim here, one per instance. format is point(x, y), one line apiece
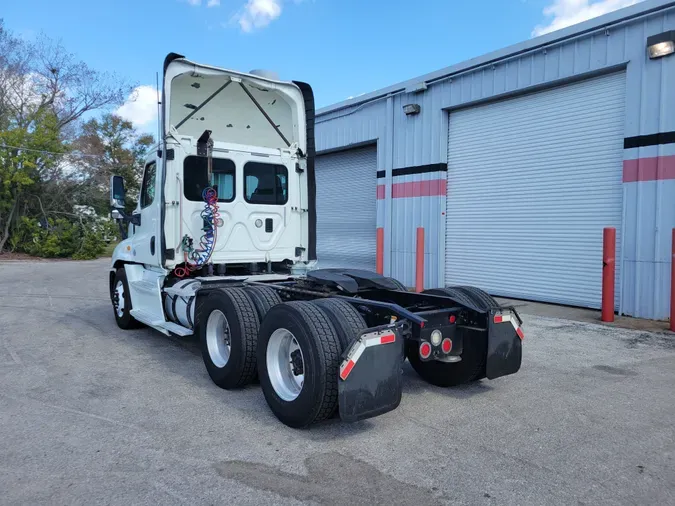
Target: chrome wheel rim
point(119, 299)
point(285, 364)
point(218, 338)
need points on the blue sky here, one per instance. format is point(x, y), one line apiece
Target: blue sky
point(341, 47)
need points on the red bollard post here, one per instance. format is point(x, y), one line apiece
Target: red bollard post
point(672, 287)
point(419, 261)
point(608, 270)
point(379, 259)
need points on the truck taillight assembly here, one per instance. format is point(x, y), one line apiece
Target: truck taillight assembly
point(425, 350)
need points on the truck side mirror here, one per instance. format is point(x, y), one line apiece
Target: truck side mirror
point(117, 192)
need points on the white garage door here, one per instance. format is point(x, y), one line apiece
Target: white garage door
point(346, 213)
point(532, 181)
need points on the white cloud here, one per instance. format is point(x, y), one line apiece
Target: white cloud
point(564, 13)
point(140, 107)
point(194, 3)
point(213, 3)
point(258, 14)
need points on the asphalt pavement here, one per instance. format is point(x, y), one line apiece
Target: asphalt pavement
point(91, 414)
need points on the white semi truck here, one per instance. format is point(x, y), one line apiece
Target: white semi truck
point(222, 244)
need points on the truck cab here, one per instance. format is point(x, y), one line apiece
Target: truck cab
point(244, 138)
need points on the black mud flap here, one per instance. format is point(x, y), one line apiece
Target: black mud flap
point(505, 350)
point(370, 376)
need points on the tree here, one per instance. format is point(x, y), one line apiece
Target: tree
point(44, 92)
point(113, 147)
point(21, 163)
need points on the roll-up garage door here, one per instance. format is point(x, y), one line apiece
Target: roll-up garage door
point(346, 191)
point(532, 181)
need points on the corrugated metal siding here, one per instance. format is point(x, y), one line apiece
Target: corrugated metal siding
point(532, 181)
point(650, 211)
point(650, 108)
point(351, 126)
point(408, 214)
point(650, 205)
point(345, 208)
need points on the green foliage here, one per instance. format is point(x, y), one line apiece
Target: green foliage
point(114, 147)
point(61, 238)
point(92, 246)
point(45, 181)
point(22, 168)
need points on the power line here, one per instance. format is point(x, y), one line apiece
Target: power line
point(5, 146)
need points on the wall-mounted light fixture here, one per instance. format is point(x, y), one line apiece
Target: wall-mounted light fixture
point(661, 45)
point(411, 109)
point(417, 87)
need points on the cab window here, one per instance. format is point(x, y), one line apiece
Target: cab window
point(265, 183)
point(148, 185)
point(195, 178)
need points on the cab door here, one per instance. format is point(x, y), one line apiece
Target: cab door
point(146, 240)
point(274, 228)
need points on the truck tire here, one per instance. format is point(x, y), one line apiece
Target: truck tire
point(481, 298)
point(347, 321)
point(444, 374)
point(298, 363)
point(455, 294)
point(264, 298)
point(399, 286)
point(228, 334)
point(121, 301)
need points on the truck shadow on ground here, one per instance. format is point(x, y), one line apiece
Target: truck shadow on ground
point(413, 384)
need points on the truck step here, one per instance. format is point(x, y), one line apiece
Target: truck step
point(148, 318)
point(174, 328)
point(145, 285)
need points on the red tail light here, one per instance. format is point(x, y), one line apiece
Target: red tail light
point(452, 318)
point(425, 350)
point(446, 345)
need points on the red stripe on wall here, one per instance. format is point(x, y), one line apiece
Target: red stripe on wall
point(657, 168)
point(380, 191)
point(433, 188)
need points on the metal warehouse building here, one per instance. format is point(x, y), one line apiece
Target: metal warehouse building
point(513, 163)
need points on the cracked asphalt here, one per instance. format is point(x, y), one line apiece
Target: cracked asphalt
point(91, 414)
